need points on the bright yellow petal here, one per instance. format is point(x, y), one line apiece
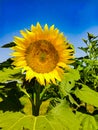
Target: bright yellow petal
point(39, 27)
point(19, 42)
point(24, 34)
point(41, 79)
point(52, 28)
point(18, 54)
point(46, 27)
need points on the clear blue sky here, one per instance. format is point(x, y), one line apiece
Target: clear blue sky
point(73, 17)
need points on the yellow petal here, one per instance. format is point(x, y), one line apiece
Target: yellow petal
point(39, 27)
point(24, 34)
point(52, 28)
point(46, 27)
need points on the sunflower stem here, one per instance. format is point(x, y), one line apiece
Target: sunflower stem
point(44, 90)
point(36, 100)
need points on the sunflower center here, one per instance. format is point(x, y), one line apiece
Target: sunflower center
point(42, 56)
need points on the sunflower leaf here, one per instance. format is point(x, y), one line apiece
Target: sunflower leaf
point(72, 100)
point(96, 117)
point(7, 74)
point(11, 44)
point(64, 117)
point(6, 64)
point(58, 118)
point(68, 81)
point(70, 78)
point(83, 49)
point(16, 121)
point(87, 95)
point(87, 122)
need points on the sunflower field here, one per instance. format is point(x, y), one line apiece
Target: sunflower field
point(43, 86)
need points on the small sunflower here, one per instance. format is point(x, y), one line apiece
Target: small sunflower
point(42, 53)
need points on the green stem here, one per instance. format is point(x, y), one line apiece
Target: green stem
point(44, 90)
point(36, 100)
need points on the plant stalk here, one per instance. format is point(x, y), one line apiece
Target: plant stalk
point(36, 100)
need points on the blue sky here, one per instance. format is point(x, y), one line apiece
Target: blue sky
point(72, 17)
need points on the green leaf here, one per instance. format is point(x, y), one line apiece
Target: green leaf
point(16, 121)
point(87, 122)
point(85, 49)
point(59, 118)
point(72, 100)
point(6, 64)
point(19, 121)
point(87, 95)
point(63, 115)
point(96, 117)
point(90, 36)
point(10, 95)
point(27, 109)
point(8, 74)
point(68, 81)
point(11, 44)
point(85, 41)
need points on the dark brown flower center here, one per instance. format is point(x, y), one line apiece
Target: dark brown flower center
point(42, 56)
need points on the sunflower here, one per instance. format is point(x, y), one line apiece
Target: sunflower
point(42, 53)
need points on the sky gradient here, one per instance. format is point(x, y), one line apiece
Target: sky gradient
point(72, 17)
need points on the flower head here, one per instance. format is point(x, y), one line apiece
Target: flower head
point(42, 53)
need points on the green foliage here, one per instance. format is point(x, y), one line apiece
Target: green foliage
point(8, 74)
point(16, 121)
point(11, 44)
point(64, 115)
point(70, 105)
point(96, 118)
point(6, 64)
point(87, 95)
point(58, 118)
point(10, 79)
point(68, 84)
point(10, 97)
point(86, 89)
point(87, 122)
point(69, 79)
point(88, 65)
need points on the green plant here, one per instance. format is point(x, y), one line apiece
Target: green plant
point(71, 104)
